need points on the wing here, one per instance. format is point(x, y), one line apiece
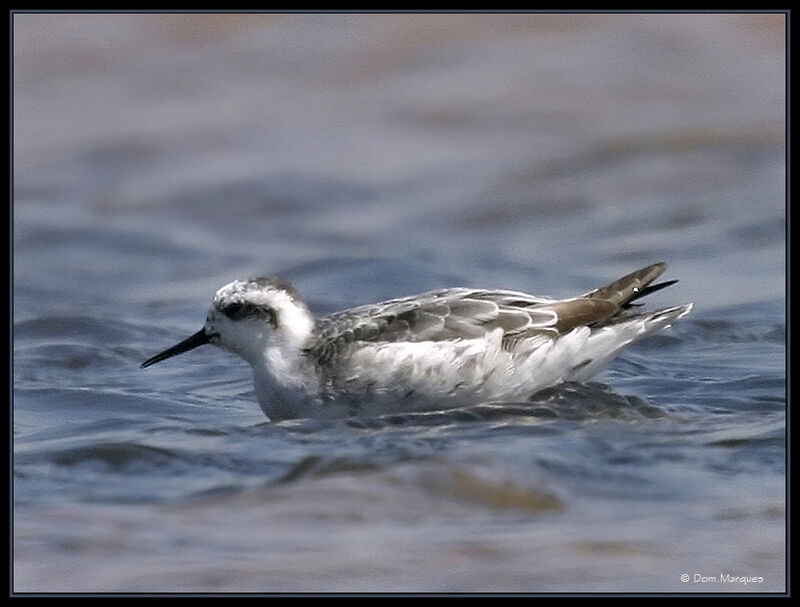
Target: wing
point(452, 314)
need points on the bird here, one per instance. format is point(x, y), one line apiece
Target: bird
point(443, 349)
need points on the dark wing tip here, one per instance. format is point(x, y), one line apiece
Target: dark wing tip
point(632, 286)
point(648, 290)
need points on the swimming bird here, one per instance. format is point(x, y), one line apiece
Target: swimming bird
point(442, 349)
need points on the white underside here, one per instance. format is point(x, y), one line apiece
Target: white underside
point(388, 377)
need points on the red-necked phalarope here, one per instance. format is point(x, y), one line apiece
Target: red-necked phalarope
point(438, 350)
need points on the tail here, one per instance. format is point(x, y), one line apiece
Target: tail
point(633, 286)
point(623, 330)
point(623, 326)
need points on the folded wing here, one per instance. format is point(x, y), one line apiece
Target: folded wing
point(452, 314)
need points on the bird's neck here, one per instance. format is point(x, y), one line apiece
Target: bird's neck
point(283, 373)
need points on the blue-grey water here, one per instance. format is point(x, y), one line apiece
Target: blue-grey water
point(363, 157)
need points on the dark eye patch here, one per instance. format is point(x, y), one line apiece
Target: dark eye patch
point(236, 310)
point(239, 310)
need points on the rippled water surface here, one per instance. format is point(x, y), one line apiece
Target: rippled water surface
point(365, 157)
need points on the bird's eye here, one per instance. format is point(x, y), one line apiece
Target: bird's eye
point(235, 310)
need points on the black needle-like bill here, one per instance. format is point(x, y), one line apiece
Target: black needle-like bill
point(198, 339)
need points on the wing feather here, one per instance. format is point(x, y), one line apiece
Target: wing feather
point(451, 314)
point(437, 316)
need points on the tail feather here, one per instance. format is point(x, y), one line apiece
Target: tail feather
point(626, 329)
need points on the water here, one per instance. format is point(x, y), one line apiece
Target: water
point(372, 156)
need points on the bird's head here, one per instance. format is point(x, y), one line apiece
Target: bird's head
point(248, 316)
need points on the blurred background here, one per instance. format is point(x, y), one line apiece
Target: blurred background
point(156, 157)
